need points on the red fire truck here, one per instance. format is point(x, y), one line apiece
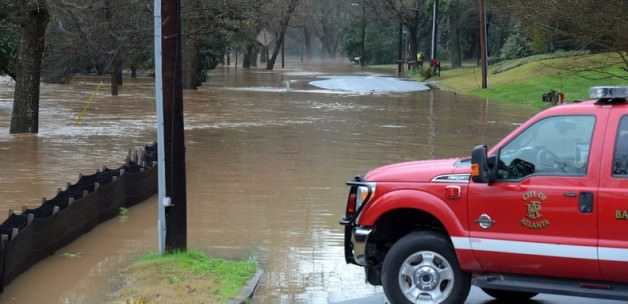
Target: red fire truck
point(544, 211)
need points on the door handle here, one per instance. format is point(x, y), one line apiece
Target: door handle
point(586, 202)
point(570, 194)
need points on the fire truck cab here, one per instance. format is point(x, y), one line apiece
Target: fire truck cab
point(543, 211)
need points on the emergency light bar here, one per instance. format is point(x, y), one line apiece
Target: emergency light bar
point(606, 94)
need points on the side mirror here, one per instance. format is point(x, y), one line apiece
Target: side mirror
point(479, 165)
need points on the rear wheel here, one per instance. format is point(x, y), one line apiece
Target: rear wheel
point(509, 296)
point(422, 268)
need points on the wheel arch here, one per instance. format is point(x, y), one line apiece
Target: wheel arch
point(413, 201)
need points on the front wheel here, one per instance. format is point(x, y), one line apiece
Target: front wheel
point(509, 296)
point(422, 268)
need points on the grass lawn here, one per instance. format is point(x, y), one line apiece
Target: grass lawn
point(525, 84)
point(187, 277)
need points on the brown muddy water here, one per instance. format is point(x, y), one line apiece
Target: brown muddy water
point(266, 172)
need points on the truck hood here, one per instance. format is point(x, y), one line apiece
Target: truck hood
point(419, 171)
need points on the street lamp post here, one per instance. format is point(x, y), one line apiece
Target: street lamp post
point(435, 30)
point(362, 4)
point(161, 148)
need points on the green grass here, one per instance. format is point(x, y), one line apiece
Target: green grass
point(506, 65)
point(229, 276)
point(525, 83)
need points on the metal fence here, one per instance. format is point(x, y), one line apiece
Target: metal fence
point(35, 234)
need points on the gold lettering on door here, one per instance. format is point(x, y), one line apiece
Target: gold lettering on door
point(534, 218)
point(621, 215)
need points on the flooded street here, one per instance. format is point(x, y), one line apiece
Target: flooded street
point(267, 156)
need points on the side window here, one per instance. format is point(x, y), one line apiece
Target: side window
point(556, 145)
point(620, 160)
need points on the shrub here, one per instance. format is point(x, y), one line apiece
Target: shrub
point(517, 45)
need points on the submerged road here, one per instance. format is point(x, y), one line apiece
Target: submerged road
point(268, 155)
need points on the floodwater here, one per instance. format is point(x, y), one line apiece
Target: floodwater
point(267, 154)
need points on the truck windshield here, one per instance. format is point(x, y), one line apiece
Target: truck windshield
point(556, 145)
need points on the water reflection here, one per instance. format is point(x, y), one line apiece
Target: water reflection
point(266, 171)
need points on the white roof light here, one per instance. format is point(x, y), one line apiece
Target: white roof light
point(609, 92)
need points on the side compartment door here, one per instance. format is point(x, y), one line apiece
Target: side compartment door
point(613, 215)
point(536, 218)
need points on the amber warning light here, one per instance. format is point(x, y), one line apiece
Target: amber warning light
point(475, 170)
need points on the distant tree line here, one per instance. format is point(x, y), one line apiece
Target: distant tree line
point(52, 40)
point(56, 39)
point(516, 28)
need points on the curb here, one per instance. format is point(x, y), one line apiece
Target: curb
point(248, 291)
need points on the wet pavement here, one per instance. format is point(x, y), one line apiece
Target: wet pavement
point(477, 296)
point(268, 155)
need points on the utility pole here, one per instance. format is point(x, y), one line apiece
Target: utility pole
point(363, 46)
point(483, 45)
point(417, 15)
point(174, 137)
point(435, 30)
point(400, 54)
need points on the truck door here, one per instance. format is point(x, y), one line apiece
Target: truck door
point(613, 205)
point(538, 217)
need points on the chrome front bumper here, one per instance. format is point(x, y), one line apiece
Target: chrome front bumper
point(359, 238)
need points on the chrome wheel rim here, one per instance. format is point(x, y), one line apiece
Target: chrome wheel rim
point(426, 277)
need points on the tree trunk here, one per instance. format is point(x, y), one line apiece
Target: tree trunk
point(246, 61)
point(332, 49)
point(119, 73)
point(307, 37)
point(100, 69)
point(413, 42)
point(191, 46)
point(114, 79)
point(133, 72)
point(237, 53)
point(455, 44)
point(264, 57)
point(253, 54)
point(285, 21)
point(25, 116)
point(624, 57)
point(413, 32)
point(191, 64)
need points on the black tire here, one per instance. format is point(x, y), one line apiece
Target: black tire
point(412, 244)
point(509, 296)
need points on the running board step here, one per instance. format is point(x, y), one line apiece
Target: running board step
point(553, 286)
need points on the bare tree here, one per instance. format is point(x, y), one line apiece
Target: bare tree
point(104, 35)
point(286, 13)
point(328, 20)
point(411, 13)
